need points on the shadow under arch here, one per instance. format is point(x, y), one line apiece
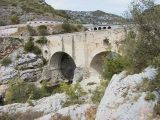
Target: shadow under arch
point(63, 64)
point(97, 63)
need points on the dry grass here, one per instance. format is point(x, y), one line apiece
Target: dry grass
point(29, 115)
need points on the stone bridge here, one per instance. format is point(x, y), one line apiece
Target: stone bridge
point(66, 52)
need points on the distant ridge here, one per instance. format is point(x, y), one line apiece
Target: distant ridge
point(95, 17)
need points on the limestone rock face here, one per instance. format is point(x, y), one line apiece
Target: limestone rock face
point(46, 105)
point(122, 101)
point(80, 74)
point(7, 73)
point(27, 66)
point(76, 112)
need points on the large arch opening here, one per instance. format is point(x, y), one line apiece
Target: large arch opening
point(62, 66)
point(97, 62)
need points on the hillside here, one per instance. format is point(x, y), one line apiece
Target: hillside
point(95, 17)
point(20, 11)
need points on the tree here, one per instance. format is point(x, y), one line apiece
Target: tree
point(146, 18)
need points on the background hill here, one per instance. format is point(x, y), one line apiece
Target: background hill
point(95, 17)
point(20, 11)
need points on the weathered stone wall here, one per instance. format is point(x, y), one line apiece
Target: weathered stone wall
point(83, 46)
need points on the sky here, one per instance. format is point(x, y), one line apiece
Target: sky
point(110, 6)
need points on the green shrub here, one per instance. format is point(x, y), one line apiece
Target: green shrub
point(31, 30)
point(68, 28)
point(6, 61)
point(157, 109)
point(74, 92)
point(42, 30)
point(155, 62)
point(2, 23)
point(150, 96)
point(146, 45)
point(114, 66)
point(30, 47)
point(36, 50)
point(42, 40)
point(14, 19)
point(99, 92)
point(150, 85)
point(21, 92)
point(63, 14)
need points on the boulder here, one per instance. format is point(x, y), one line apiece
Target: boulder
point(46, 105)
point(27, 66)
point(80, 74)
point(7, 73)
point(31, 75)
point(122, 101)
point(75, 112)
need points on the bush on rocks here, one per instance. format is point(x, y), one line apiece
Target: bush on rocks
point(114, 66)
point(99, 92)
point(74, 92)
point(157, 109)
point(69, 28)
point(31, 30)
point(42, 30)
point(43, 40)
point(150, 96)
point(6, 61)
point(14, 19)
point(30, 47)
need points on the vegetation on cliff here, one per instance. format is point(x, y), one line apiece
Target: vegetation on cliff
point(19, 11)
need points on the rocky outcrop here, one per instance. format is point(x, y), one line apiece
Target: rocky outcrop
point(46, 105)
point(122, 101)
point(8, 45)
point(76, 112)
point(80, 74)
point(27, 66)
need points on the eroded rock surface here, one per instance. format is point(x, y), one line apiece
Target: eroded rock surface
point(46, 105)
point(122, 101)
point(76, 112)
point(27, 66)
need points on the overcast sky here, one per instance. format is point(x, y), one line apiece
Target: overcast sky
point(111, 6)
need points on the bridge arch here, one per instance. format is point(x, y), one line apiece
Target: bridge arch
point(95, 28)
point(99, 28)
point(63, 64)
point(97, 62)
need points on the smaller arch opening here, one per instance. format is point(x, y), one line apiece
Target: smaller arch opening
point(104, 28)
point(109, 27)
point(99, 28)
point(46, 51)
point(95, 28)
